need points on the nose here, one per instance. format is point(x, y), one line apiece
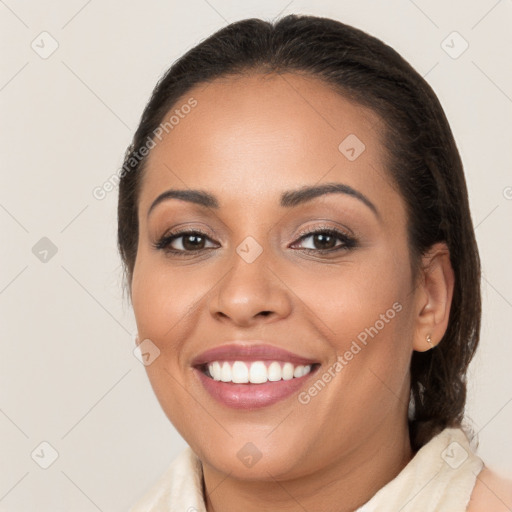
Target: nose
point(250, 293)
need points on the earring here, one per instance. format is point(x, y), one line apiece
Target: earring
point(429, 341)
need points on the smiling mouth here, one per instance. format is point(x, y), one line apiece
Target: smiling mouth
point(255, 372)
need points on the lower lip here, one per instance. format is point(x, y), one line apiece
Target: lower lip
point(252, 396)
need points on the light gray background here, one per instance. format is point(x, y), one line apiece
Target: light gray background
point(67, 372)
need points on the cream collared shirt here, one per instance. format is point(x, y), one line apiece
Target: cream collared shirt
point(439, 478)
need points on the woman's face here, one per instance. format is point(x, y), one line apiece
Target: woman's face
point(256, 282)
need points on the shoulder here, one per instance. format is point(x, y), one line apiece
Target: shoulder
point(492, 493)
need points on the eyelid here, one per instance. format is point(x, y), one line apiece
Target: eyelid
point(188, 227)
point(325, 227)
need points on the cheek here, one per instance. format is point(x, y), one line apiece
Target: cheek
point(162, 297)
point(364, 295)
point(362, 309)
point(163, 301)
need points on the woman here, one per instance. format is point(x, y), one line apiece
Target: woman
point(295, 229)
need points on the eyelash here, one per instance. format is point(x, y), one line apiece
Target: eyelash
point(348, 241)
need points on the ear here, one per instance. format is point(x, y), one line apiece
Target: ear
point(433, 297)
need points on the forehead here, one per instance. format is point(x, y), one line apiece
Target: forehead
point(254, 136)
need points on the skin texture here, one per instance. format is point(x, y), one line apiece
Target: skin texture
point(248, 140)
point(492, 493)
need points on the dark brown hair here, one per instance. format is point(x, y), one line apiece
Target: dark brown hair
point(421, 158)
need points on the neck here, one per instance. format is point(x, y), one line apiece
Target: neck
point(343, 486)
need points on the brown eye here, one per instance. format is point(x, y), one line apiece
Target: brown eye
point(184, 242)
point(324, 241)
point(327, 240)
point(192, 242)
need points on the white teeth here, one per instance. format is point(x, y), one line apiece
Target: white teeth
point(239, 373)
point(298, 371)
point(216, 370)
point(225, 374)
point(274, 372)
point(257, 372)
point(288, 371)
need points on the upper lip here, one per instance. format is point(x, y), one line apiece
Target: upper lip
point(255, 351)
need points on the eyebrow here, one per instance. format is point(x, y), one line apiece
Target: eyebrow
point(289, 199)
